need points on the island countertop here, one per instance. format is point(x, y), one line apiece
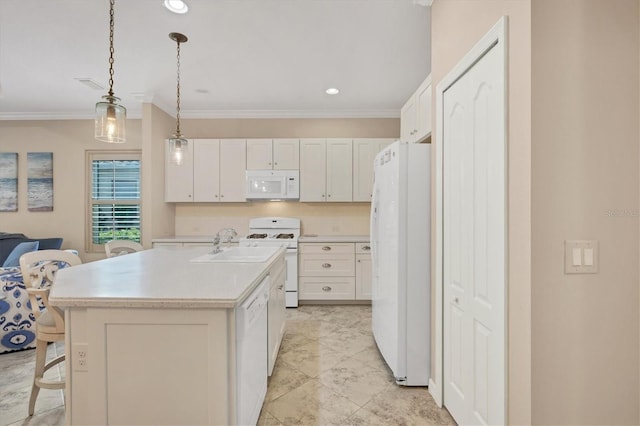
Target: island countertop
point(158, 279)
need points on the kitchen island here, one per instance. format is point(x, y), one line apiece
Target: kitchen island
point(151, 336)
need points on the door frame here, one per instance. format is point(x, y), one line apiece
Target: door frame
point(496, 36)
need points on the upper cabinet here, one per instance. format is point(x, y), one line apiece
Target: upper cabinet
point(276, 154)
point(415, 115)
point(364, 152)
point(213, 170)
point(326, 170)
point(331, 170)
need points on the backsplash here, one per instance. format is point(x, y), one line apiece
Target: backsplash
point(316, 218)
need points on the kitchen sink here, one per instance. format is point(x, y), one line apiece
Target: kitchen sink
point(239, 255)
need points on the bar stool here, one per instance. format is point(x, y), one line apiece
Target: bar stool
point(115, 248)
point(38, 272)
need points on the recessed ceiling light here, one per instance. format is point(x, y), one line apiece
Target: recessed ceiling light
point(176, 6)
point(332, 91)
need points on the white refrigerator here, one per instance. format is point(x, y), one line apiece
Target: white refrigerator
point(400, 237)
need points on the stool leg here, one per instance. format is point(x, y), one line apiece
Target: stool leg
point(41, 358)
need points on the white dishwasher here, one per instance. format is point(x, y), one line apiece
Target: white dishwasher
point(252, 352)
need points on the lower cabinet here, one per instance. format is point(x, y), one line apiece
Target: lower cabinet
point(276, 312)
point(334, 271)
point(363, 271)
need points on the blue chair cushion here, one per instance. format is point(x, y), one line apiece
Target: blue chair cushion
point(13, 260)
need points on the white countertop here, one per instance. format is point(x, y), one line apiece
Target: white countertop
point(333, 238)
point(188, 239)
point(158, 278)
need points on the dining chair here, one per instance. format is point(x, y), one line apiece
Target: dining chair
point(115, 248)
point(39, 269)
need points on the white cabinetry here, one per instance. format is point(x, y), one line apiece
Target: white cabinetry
point(276, 154)
point(233, 163)
point(363, 271)
point(212, 170)
point(276, 313)
point(415, 115)
point(364, 152)
point(327, 271)
point(326, 170)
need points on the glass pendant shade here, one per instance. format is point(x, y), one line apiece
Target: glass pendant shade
point(178, 149)
point(110, 120)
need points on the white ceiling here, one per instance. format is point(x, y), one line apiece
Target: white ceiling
point(252, 58)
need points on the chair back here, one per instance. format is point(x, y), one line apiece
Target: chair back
point(38, 273)
point(115, 248)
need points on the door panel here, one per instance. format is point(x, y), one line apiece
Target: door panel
point(312, 169)
point(206, 166)
point(339, 170)
point(233, 162)
point(474, 243)
point(259, 154)
point(286, 154)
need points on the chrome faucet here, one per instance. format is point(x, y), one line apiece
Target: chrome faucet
point(225, 236)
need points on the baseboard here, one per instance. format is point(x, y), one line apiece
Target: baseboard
point(434, 390)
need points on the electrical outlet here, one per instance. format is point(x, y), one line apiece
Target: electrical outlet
point(80, 357)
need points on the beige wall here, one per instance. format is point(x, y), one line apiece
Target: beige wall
point(159, 217)
point(68, 140)
point(456, 27)
point(317, 218)
point(585, 164)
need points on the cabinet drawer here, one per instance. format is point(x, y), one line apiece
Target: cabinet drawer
point(318, 288)
point(335, 265)
point(326, 248)
point(363, 248)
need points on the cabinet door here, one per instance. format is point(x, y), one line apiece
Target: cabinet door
point(408, 120)
point(286, 154)
point(364, 151)
point(259, 154)
point(382, 144)
point(363, 277)
point(423, 110)
point(339, 170)
point(233, 163)
point(312, 170)
point(206, 170)
point(178, 180)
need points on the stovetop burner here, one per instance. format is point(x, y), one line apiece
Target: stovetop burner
point(285, 236)
point(257, 236)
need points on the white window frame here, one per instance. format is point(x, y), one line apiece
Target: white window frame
point(91, 156)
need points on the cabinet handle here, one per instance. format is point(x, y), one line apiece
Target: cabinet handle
point(221, 195)
point(326, 248)
point(269, 162)
point(358, 260)
point(366, 248)
point(189, 195)
point(326, 288)
point(280, 286)
point(326, 265)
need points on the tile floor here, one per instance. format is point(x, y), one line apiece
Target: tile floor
point(328, 372)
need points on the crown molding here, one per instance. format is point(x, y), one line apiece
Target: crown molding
point(283, 113)
point(211, 114)
point(26, 116)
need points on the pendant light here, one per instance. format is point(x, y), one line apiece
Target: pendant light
point(178, 145)
point(110, 115)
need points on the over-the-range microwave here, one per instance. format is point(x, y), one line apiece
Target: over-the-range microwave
point(273, 184)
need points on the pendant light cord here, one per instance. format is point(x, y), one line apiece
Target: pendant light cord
point(178, 95)
point(111, 50)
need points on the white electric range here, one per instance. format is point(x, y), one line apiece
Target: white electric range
point(278, 231)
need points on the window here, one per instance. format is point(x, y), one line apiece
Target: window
point(114, 197)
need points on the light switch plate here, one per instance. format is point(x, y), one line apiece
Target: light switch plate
point(577, 256)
